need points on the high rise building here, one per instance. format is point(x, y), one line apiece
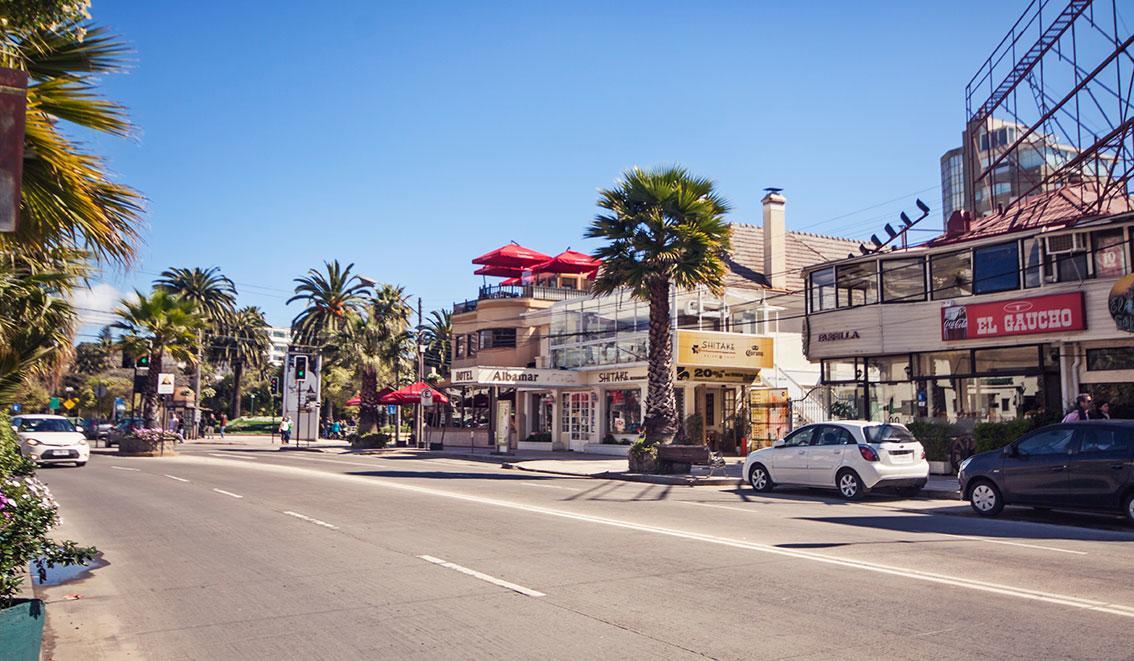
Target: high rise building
point(280, 338)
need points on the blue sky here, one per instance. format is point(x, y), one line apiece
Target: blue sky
point(410, 137)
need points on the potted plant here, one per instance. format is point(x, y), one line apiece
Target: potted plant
point(643, 457)
point(148, 443)
point(935, 438)
point(27, 515)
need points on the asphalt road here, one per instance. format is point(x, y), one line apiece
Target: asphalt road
point(255, 554)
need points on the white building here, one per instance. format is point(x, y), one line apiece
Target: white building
point(280, 337)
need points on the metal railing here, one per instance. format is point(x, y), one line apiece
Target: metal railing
point(537, 292)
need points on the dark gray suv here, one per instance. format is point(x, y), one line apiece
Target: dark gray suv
point(1080, 465)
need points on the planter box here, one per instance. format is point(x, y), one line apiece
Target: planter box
point(21, 630)
point(534, 445)
point(606, 448)
point(940, 468)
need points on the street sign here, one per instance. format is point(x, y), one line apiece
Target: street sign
point(16, 408)
point(391, 409)
point(119, 404)
point(70, 403)
point(53, 403)
point(165, 383)
point(427, 397)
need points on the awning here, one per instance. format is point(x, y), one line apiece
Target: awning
point(512, 256)
point(411, 394)
point(568, 261)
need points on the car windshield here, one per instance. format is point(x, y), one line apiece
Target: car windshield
point(889, 434)
point(46, 424)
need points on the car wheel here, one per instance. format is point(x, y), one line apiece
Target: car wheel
point(985, 499)
point(849, 484)
point(759, 478)
point(1128, 507)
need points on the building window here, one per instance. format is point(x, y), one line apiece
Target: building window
point(473, 345)
point(498, 338)
point(577, 416)
point(1033, 262)
point(945, 363)
point(996, 268)
point(903, 280)
point(857, 284)
point(1007, 359)
point(1116, 358)
point(1070, 267)
point(1110, 253)
point(624, 411)
point(459, 346)
point(823, 290)
point(951, 275)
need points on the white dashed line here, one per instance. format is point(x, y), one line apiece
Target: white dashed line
point(311, 520)
point(230, 456)
point(123, 468)
point(484, 577)
point(174, 477)
point(228, 493)
point(547, 486)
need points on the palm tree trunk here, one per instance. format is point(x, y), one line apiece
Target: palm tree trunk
point(661, 405)
point(368, 406)
point(237, 377)
point(150, 400)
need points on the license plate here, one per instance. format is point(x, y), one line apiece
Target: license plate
point(903, 458)
point(58, 453)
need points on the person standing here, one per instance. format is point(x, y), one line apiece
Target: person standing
point(1103, 410)
point(1082, 410)
point(285, 429)
point(223, 423)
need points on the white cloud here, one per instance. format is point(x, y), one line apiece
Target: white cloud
point(95, 306)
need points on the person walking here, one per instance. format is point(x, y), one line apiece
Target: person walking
point(336, 429)
point(1103, 410)
point(223, 423)
point(285, 429)
point(1082, 410)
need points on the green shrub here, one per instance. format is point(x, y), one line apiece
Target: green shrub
point(934, 437)
point(542, 437)
point(371, 440)
point(694, 428)
point(994, 435)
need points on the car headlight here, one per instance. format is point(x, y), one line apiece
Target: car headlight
point(32, 442)
point(82, 441)
point(964, 464)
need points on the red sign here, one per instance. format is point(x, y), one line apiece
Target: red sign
point(1057, 313)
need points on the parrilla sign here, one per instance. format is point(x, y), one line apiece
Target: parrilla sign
point(1056, 313)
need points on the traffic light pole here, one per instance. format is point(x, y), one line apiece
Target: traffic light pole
point(419, 422)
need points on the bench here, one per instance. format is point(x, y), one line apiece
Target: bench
point(681, 458)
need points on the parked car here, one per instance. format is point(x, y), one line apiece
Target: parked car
point(122, 429)
point(853, 457)
point(50, 439)
point(1080, 465)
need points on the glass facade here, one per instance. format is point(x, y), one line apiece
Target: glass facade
point(624, 411)
point(577, 416)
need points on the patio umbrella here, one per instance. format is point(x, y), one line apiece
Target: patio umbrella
point(512, 256)
point(411, 394)
point(568, 261)
point(357, 399)
point(499, 271)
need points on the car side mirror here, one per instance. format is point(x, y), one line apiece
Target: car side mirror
point(779, 443)
point(1009, 451)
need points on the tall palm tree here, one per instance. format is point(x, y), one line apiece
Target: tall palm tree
point(373, 342)
point(244, 343)
point(439, 340)
point(160, 324)
point(210, 290)
point(328, 298)
point(663, 227)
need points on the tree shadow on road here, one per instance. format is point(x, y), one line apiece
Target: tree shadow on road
point(1067, 526)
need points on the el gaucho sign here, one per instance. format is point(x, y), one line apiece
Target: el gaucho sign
point(1055, 313)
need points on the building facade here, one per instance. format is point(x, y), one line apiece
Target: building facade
point(280, 338)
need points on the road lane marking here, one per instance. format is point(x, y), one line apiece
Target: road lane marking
point(877, 568)
point(968, 537)
point(228, 493)
point(123, 468)
point(230, 456)
point(547, 486)
point(484, 577)
point(311, 520)
point(337, 461)
point(174, 477)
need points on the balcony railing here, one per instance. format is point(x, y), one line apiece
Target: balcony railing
point(537, 292)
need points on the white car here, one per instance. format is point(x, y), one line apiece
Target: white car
point(850, 456)
point(51, 439)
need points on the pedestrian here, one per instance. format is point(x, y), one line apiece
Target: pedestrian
point(1082, 410)
point(285, 429)
point(336, 429)
point(1103, 410)
point(223, 423)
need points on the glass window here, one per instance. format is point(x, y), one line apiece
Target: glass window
point(624, 411)
point(45, 425)
point(1046, 442)
point(1102, 440)
point(1070, 267)
point(889, 433)
point(1116, 358)
point(857, 284)
point(473, 345)
point(496, 338)
point(831, 435)
point(951, 275)
point(1033, 262)
point(710, 410)
point(459, 346)
point(835, 371)
point(903, 280)
point(888, 368)
point(1110, 253)
point(996, 268)
point(1007, 359)
point(823, 290)
point(945, 363)
point(801, 437)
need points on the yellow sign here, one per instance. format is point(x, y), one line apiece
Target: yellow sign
point(69, 404)
point(770, 412)
point(723, 350)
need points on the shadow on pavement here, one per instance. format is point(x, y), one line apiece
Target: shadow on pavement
point(1097, 529)
point(445, 475)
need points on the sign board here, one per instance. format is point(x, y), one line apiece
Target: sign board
point(165, 383)
point(711, 375)
point(391, 409)
point(770, 413)
point(517, 376)
point(1120, 302)
point(16, 408)
point(53, 403)
point(617, 376)
point(70, 403)
point(13, 111)
point(1055, 313)
point(119, 404)
point(427, 397)
point(724, 350)
point(503, 425)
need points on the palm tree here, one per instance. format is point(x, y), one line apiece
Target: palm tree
point(373, 342)
point(244, 344)
point(328, 297)
point(439, 340)
point(211, 291)
point(663, 228)
point(159, 324)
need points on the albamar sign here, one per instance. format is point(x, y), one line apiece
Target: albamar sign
point(1055, 313)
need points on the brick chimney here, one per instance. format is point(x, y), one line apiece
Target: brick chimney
point(775, 248)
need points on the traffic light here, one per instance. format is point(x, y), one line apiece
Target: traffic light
point(275, 385)
point(300, 368)
point(142, 361)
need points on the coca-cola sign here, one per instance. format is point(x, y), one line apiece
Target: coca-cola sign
point(1055, 313)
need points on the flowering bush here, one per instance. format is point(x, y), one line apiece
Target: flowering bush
point(147, 440)
point(27, 515)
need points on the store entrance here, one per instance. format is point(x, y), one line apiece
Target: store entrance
point(715, 413)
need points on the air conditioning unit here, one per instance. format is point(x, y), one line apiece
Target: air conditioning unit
point(694, 307)
point(1065, 243)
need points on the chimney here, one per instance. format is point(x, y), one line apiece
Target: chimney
point(775, 248)
point(958, 224)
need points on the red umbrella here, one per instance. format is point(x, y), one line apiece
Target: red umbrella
point(357, 399)
point(499, 271)
point(568, 261)
point(517, 280)
point(513, 256)
point(411, 394)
